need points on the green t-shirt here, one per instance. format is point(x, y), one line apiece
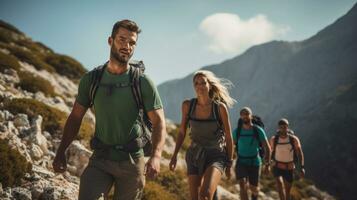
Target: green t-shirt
point(116, 113)
point(249, 146)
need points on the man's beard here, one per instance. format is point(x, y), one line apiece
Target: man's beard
point(246, 121)
point(115, 54)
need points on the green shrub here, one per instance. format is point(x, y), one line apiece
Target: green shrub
point(302, 183)
point(267, 182)
point(32, 58)
point(166, 155)
point(66, 66)
point(174, 182)
point(34, 84)
point(32, 46)
point(53, 119)
point(49, 50)
point(8, 62)
point(5, 36)
point(154, 191)
point(13, 165)
point(9, 27)
point(9, 33)
point(298, 190)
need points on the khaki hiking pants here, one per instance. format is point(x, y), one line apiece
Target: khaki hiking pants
point(101, 174)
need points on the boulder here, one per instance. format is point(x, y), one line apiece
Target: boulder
point(21, 193)
point(224, 194)
point(36, 152)
point(21, 120)
point(78, 156)
point(37, 137)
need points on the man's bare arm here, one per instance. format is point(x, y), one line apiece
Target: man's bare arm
point(157, 119)
point(70, 131)
point(72, 126)
point(267, 150)
point(299, 152)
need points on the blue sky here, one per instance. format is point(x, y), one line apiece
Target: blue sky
point(178, 37)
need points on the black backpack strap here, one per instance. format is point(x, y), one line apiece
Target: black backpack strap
point(239, 129)
point(292, 142)
point(96, 75)
point(256, 132)
point(193, 103)
point(217, 115)
point(136, 70)
point(255, 135)
point(276, 140)
point(136, 90)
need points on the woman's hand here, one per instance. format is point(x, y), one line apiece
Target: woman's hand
point(173, 163)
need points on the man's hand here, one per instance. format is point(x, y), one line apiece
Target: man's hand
point(302, 173)
point(152, 167)
point(60, 162)
point(173, 163)
point(228, 172)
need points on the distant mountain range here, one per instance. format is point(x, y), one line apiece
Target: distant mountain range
point(313, 83)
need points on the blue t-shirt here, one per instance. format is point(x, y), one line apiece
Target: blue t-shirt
point(248, 145)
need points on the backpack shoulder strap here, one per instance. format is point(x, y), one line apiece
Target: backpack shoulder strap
point(275, 143)
point(216, 115)
point(292, 141)
point(135, 83)
point(239, 129)
point(137, 69)
point(95, 76)
point(276, 140)
point(256, 134)
point(193, 103)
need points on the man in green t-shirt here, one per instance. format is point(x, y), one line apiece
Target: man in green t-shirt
point(117, 123)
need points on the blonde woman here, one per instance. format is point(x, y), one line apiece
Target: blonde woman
point(211, 151)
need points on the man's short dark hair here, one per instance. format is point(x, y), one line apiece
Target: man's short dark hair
point(283, 121)
point(246, 110)
point(127, 24)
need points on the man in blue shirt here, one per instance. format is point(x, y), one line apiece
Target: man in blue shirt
point(249, 137)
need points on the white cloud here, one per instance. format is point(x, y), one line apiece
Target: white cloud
point(228, 33)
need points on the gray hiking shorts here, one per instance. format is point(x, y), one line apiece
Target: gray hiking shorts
point(197, 164)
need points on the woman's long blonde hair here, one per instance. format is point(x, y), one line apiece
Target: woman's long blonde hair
point(219, 87)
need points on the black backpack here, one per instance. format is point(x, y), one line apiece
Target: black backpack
point(257, 122)
point(137, 68)
point(291, 142)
